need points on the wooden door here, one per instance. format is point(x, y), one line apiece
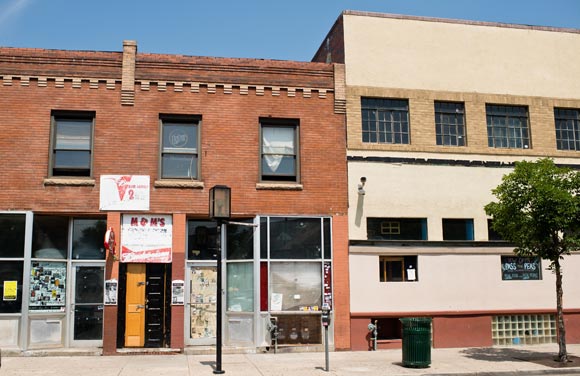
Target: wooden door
point(135, 306)
point(155, 315)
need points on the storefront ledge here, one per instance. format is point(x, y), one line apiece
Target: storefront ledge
point(69, 182)
point(178, 184)
point(280, 186)
point(89, 351)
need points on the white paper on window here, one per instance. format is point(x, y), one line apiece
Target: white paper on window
point(277, 142)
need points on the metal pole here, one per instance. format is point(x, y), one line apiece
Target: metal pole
point(218, 350)
point(326, 348)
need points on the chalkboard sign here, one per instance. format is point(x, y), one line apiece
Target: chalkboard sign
point(515, 268)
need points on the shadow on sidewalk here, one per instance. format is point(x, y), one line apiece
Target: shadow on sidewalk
point(504, 354)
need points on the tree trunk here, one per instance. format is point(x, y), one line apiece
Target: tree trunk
point(562, 354)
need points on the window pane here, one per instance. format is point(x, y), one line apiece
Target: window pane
point(12, 228)
point(240, 242)
point(88, 322)
point(179, 137)
point(240, 287)
point(73, 134)
point(49, 237)
point(407, 228)
point(299, 329)
point(327, 240)
point(297, 285)
point(179, 166)
point(278, 165)
point(278, 140)
point(89, 284)
point(47, 286)
point(11, 286)
point(201, 240)
point(88, 235)
point(295, 238)
point(457, 229)
point(64, 159)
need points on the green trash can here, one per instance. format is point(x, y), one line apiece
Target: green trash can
point(416, 342)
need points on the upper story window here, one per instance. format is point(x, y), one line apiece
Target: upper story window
point(180, 148)
point(457, 229)
point(450, 123)
point(397, 228)
point(279, 152)
point(385, 121)
point(72, 143)
point(567, 128)
point(507, 126)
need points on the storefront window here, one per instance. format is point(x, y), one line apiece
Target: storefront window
point(201, 240)
point(295, 238)
point(11, 286)
point(240, 292)
point(12, 228)
point(88, 235)
point(49, 237)
point(240, 243)
point(47, 286)
point(295, 286)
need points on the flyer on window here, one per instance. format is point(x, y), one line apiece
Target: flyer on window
point(10, 291)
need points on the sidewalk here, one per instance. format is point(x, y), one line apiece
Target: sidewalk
point(521, 360)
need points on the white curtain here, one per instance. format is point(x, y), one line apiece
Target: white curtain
point(277, 142)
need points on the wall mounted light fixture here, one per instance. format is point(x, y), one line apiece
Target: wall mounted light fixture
point(361, 186)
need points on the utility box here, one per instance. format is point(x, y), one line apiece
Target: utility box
point(416, 342)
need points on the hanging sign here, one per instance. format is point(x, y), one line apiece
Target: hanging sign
point(146, 238)
point(124, 192)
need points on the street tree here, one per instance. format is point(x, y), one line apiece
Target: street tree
point(538, 210)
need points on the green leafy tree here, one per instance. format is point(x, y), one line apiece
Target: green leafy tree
point(538, 210)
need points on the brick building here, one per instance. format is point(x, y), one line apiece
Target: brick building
point(437, 112)
point(129, 144)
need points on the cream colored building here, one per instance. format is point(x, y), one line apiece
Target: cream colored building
point(438, 111)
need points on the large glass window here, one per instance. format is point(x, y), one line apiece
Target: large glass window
point(385, 121)
point(240, 291)
point(507, 126)
point(201, 240)
point(72, 143)
point(567, 128)
point(179, 148)
point(450, 123)
point(50, 237)
point(457, 229)
point(240, 241)
point(11, 286)
point(88, 235)
point(279, 152)
point(12, 229)
point(398, 269)
point(295, 238)
point(48, 286)
point(295, 286)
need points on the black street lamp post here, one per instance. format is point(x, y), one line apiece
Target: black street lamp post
point(220, 210)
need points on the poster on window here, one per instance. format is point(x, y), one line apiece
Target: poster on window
point(146, 238)
point(124, 192)
point(10, 291)
point(47, 286)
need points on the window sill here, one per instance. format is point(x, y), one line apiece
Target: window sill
point(280, 186)
point(176, 183)
point(74, 182)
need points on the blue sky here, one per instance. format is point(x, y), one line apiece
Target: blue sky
point(269, 29)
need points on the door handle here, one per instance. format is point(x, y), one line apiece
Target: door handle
point(140, 283)
point(140, 306)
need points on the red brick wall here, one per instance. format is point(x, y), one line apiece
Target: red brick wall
point(462, 331)
point(178, 273)
point(112, 272)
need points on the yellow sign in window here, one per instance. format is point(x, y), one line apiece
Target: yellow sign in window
point(10, 290)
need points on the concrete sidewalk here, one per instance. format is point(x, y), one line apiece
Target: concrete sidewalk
point(521, 360)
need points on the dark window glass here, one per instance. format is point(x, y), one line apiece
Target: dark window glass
point(179, 154)
point(450, 123)
point(492, 235)
point(327, 239)
point(295, 238)
point(567, 128)
point(398, 269)
point(240, 243)
point(397, 228)
point(12, 229)
point(88, 235)
point(507, 126)
point(279, 157)
point(299, 329)
point(49, 237)
point(263, 238)
point(385, 121)
point(11, 286)
point(201, 240)
point(72, 144)
point(457, 229)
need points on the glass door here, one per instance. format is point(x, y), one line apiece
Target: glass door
point(202, 304)
point(87, 310)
